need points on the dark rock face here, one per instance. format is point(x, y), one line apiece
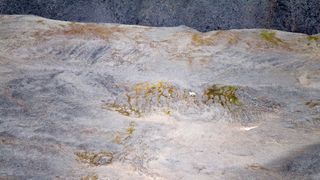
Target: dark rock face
point(204, 15)
point(297, 16)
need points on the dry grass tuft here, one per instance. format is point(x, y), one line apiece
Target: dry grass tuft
point(83, 30)
point(90, 177)
point(273, 41)
point(40, 21)
point(202, 40)
point(90, 30)
point(209, 39)
point(271, 37)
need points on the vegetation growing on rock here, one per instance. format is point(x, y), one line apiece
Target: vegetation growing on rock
point(143, 97)
point(313, 38)
point(123, 109)
point(271, 37)
point(201, 40)
point(224, 95)
point(131, 128)
point(78, 29)
point(121, 136)
point(96, 159)
point(90, 177)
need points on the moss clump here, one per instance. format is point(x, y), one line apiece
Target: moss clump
point(313, 38)
point(167, 112)
point(158, 90)
point(131, 128)
point(271, 37)
point(224, 95)
point(157, 94)
point(96, 159)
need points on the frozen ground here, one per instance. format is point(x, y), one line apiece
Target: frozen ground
point(108, 101)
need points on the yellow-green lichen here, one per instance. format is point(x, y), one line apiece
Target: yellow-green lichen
point(120, 137)
point(158, 90)
point(131, 128)
point(167, 112)
point(142, 97)
point(95, 159)
point(126, 110)
point(271, 37)
point(224, 95)
point(313, 38)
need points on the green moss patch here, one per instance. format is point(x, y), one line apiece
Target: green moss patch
point(224, 95)
point(313, 38)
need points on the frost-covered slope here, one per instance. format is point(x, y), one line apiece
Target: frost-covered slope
point(132, 102)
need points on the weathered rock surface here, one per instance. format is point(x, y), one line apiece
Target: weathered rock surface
point(204, 15)
point(115, 101)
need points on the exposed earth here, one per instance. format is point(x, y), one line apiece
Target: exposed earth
point(111, 101)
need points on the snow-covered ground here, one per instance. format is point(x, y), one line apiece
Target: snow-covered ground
point(110, 101)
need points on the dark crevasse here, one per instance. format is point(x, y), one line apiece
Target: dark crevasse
point(204, 15)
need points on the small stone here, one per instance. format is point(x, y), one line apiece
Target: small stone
point(104, 160)
point(192, 94)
